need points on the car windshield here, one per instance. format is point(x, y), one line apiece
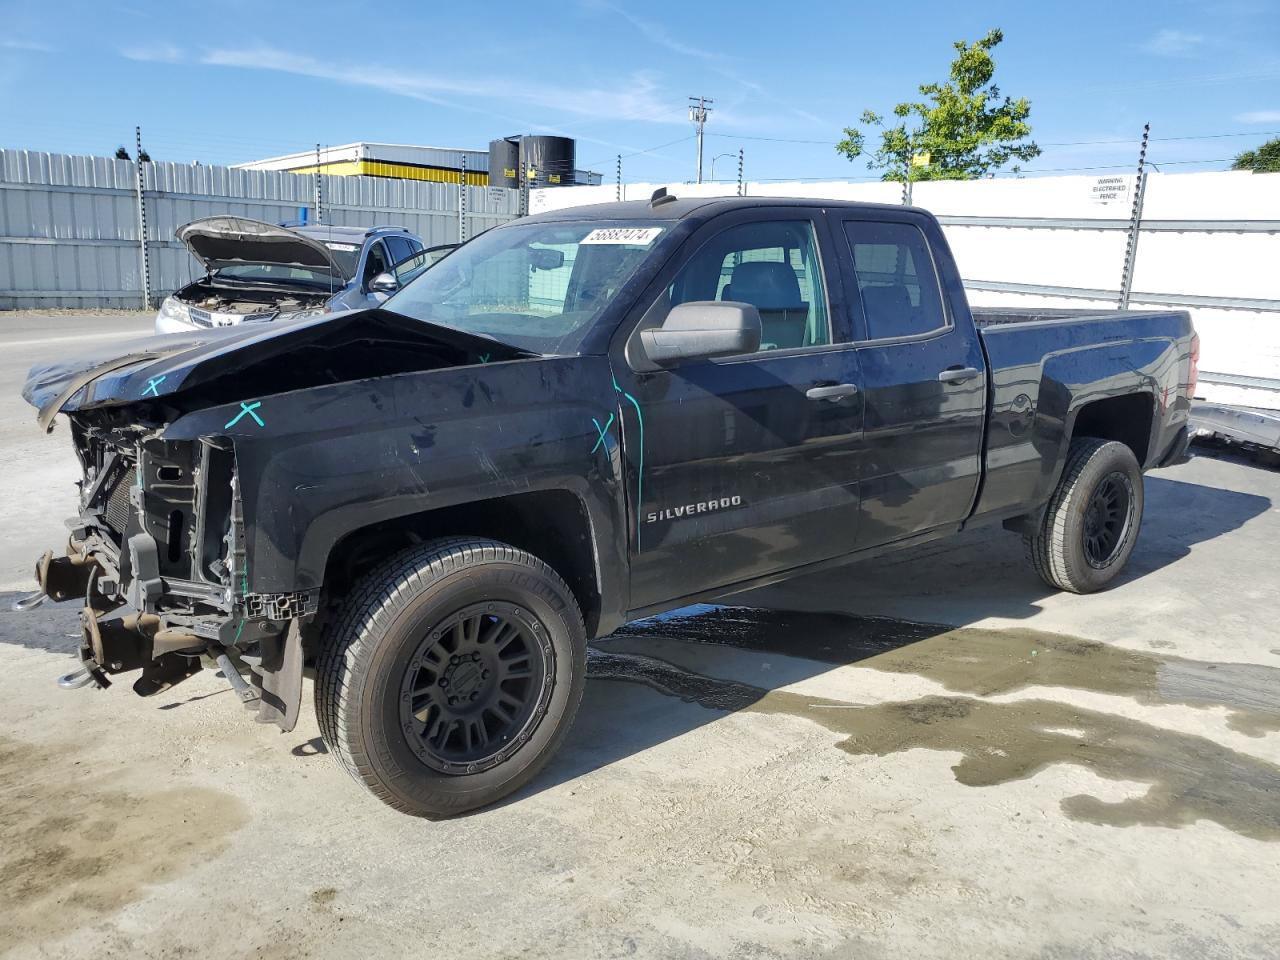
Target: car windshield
point(344, 255)
point(537, 286)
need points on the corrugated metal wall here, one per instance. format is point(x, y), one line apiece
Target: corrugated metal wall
point(69, 224)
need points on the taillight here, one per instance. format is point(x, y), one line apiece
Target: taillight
point(1194, 375)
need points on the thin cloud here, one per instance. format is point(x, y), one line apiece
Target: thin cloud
point(637, 98)
point(1173, 43)
point(30, 46)
point(654, 32)
point(717, 61)
point(1258, 116)
point(154, 53)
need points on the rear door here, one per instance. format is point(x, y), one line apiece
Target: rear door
point(743, 466)
point(923, 376)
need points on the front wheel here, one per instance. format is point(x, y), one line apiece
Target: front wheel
point(1091, 523)
point(452, 675)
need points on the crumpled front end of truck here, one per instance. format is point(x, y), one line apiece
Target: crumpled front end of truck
point(159, 551)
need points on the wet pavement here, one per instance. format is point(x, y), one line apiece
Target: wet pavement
point(1188, 778)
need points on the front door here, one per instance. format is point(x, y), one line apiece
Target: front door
point(748, 463)
point(923, 378)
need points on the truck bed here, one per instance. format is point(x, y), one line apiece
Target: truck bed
point(1045, 364)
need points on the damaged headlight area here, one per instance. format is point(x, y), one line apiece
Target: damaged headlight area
point(157, 552)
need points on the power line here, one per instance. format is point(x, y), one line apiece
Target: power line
point(636, 153)
point(1062, 143)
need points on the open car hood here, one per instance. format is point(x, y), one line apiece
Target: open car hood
point(215, 366)
point(223, 241)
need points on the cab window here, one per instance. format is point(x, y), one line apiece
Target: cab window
point(896, 279)
point(772, 265)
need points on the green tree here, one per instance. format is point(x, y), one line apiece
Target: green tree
point(964, 126)
point(1266, 159)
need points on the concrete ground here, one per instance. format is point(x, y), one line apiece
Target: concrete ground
point(930, 755)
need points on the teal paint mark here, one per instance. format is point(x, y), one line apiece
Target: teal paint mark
point(640, 471)
point(603, 431)
point(246, 408)
point(153, 383)
point(484, 358)
point(239, 630)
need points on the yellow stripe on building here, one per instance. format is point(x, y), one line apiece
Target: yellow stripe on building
point(399, 171)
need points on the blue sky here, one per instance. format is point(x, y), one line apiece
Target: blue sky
point(233, 80)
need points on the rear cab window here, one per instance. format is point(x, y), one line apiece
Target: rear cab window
point(896, 279)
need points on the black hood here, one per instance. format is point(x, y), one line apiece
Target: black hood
point(223, 365)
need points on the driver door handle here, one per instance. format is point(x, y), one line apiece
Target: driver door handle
point(831, 391)
point(957, 374)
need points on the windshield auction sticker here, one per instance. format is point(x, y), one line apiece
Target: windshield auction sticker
point(636, 236)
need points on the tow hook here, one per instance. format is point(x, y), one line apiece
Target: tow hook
point(29, 602)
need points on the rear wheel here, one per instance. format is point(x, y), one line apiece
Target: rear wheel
point(452, 675)
point(1091, 523)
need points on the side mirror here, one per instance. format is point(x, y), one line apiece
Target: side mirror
point(702, 329)
point(384, 283)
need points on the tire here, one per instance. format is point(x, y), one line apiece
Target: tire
point(1091, 523)
point(499, 624)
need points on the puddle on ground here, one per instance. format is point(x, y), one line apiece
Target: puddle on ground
point(1189, 778)
point(74, 848)
point(986, 662)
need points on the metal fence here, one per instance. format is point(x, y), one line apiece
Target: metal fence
point(72, 228)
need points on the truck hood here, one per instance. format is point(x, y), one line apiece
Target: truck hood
point(168, 374)
point(223, 241)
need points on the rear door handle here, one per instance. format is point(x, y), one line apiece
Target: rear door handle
point(832, 391)
point(957, 374)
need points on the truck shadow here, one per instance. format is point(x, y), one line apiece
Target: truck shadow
point(708, 661)
point(984, 573)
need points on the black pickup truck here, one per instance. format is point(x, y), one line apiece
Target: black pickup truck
point(572, 421)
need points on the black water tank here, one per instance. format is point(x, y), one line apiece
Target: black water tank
point(504, 163)
point(549, 161)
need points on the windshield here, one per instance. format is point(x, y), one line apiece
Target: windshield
point(344, 255)
point(537, 286)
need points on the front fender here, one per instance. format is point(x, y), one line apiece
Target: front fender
point(317, 464)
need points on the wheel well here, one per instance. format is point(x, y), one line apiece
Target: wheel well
point(1126, 418)
point(552, 525)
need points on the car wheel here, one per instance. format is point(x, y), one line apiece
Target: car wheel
point(1091, 523)
point(451, 675)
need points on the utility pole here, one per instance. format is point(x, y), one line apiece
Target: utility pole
point(1135, 221)
point(741, 186)
point(619, 190)
point(698, 114)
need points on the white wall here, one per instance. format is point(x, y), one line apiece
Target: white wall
point(1234, 342)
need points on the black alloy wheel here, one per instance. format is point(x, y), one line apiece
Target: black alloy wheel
point(478, 682)
point(1107, 518)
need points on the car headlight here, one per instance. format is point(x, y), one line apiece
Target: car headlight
point(174, 309)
